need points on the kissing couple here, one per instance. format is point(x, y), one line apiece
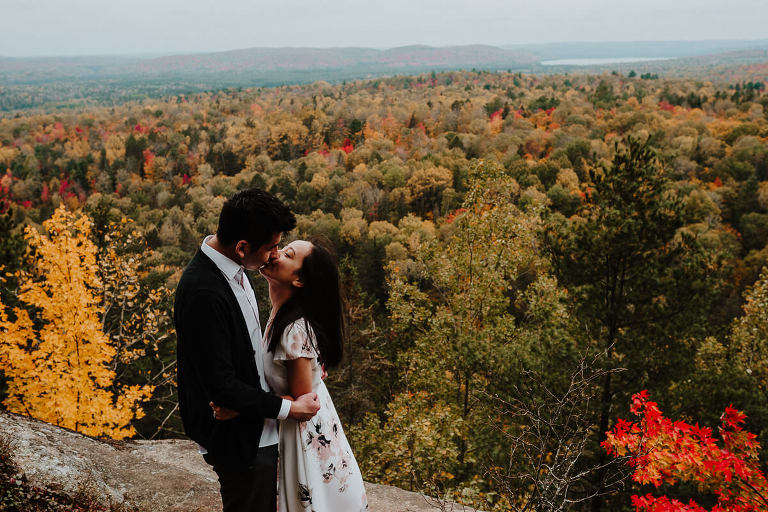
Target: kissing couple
point(244, 395)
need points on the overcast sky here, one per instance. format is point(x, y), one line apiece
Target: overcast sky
point(89, 27)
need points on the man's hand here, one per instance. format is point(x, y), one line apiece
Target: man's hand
point(222, 413)
point(304, 407)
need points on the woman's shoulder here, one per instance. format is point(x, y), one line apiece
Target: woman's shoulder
point(298, 340)
point(299, 326)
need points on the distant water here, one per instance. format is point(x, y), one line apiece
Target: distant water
point(597, 62)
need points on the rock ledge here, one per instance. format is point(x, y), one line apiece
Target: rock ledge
point(167, 475)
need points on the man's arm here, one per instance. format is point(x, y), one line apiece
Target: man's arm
point(209, 335)
point(302, 409)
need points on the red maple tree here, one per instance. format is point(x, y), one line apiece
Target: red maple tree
point(347, 147)
point(666, 451)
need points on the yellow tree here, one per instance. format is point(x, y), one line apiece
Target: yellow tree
point(59, 364)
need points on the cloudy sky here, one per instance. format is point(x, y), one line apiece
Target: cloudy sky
point(77, 27)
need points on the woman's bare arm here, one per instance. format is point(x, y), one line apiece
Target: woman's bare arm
point(299, 376)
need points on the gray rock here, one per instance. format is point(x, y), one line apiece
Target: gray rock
point(166, 475)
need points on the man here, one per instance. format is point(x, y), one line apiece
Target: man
point(219, 352)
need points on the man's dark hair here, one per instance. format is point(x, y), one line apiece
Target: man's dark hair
point(255, 216)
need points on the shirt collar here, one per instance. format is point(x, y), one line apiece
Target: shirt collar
point(228, 267)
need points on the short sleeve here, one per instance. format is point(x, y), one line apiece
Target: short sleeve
point(298, 340)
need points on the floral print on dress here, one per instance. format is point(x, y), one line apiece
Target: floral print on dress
point(325, 443)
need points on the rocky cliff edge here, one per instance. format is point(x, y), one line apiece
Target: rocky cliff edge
point(165, 475)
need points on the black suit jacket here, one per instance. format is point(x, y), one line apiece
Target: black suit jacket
point(216, 363)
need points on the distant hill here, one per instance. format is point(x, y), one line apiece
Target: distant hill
point(72, 82)
point(271, 66)
point(268, 59)
point(256, 63)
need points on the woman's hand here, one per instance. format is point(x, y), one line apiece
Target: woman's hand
point(222, 413)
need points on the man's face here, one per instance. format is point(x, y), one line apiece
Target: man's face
point(254, 260)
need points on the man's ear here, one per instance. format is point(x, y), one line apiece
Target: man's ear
point(297, 283)
point(241, 248)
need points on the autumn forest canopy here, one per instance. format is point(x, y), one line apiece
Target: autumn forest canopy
point(522, 254)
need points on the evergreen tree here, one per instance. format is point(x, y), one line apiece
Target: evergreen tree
point(639, 283)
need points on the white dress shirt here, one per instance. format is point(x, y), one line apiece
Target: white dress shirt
point(241, 286)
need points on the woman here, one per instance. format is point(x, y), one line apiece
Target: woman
point(305, 334)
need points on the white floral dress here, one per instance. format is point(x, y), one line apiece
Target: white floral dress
point(318, 472)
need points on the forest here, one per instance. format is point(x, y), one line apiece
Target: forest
point(528, 262)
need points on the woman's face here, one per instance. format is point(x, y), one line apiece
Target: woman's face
point(285, 268)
